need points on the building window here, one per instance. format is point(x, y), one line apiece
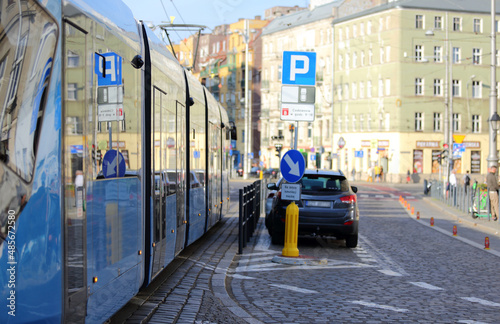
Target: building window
point(476, 89)
point(309, 130)
point(438, 22)
point(478, 25)
point(380, 87)
point(361, 90)
point(419, 86)
point(387, 87)
point(341, 62)
point(346, 91)
point(418, 122)
point(347, 33)
point(437, 122)
point(73, 59)
point(346, 123)
point(387, 54)
point(353, 123)
point(438, 54)
point(361, 121)
point(340, 123)
point(362, 29)
point(355, 60)
point(354, 90)
point(362, 58)
point(339, 92)
point(355, 31)
point(347, 61)
point(457, 24)
point(72, 91)
point(498, 57)
point(456, 88)
point(456, 122)
point(369, 122)
point(456, 55)
point(476, 56)
point(369, 89)
point(419, 22)
point(419, 53)
point(438, 87)
point(369, 27)
point(476, 123)
point(381, 55)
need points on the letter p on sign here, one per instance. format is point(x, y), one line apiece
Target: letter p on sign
point(294, 69)
point(299, 68)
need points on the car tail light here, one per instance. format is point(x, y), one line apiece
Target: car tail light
point(350, 222)
point(351, 199)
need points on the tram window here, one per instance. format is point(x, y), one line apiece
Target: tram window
point(29, 59)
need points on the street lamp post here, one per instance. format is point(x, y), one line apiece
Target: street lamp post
point(494, 119)
point(245, 33)
point(448, 99)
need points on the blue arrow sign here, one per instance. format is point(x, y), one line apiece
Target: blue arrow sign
point(292, 166)
point(113, 164)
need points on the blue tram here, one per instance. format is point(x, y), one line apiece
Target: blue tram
point(113, 159)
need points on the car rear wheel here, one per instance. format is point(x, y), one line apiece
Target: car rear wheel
point(351, 241)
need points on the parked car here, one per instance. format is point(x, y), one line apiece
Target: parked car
point(271, 173)
point(328, 206)
point(270, 196)
point(255, 172)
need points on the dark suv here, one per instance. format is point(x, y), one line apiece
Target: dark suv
point(328, 206)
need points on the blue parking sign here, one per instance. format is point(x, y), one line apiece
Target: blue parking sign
point(299, 68)
point(108, 68)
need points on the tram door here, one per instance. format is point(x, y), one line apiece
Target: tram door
point(158, 178)
point(181, 177)
point(75, 217)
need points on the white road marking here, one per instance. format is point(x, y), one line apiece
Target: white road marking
point(471, 322)
point(297, 289)
point(383, 259)
point(425, 285)
point(390, 273)
point(332, 264)
point(395, 309)
point(481, 301)
point(237, 276)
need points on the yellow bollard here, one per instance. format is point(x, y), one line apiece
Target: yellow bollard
point(291, 231)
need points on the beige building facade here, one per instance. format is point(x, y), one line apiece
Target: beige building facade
point(393, 98)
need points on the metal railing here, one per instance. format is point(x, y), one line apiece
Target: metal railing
point(250, 198)
point(473, 200)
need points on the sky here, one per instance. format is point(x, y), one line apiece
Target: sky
point(209, 13)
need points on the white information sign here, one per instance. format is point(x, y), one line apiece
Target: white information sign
point(297, 112)
point(290, 191)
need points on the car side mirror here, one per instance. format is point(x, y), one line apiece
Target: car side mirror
point(354, 189)
point(272, 186)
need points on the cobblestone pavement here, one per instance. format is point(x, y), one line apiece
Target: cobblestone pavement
point(403, 271)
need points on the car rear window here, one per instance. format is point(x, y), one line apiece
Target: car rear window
point(316, 182)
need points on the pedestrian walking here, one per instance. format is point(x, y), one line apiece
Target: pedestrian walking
point(466, 181)
point(453, 187)
point(492, 183)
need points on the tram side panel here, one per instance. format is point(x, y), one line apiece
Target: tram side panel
point(196, 161)
point(30, 176)
point(226, 158)
point(102, 157)
point(167, 116)
point(213, 158)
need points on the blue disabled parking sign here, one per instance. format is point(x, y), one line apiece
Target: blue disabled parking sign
point(292, 166)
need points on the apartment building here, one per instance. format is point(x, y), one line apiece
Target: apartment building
point(400, 73)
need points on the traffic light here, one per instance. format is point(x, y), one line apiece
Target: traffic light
point(443, 156)
point(278, 149)
point(291, 128)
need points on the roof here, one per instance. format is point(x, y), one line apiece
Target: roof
point(302, 17)
point(472, 6)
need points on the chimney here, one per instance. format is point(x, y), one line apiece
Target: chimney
point(258, 17)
